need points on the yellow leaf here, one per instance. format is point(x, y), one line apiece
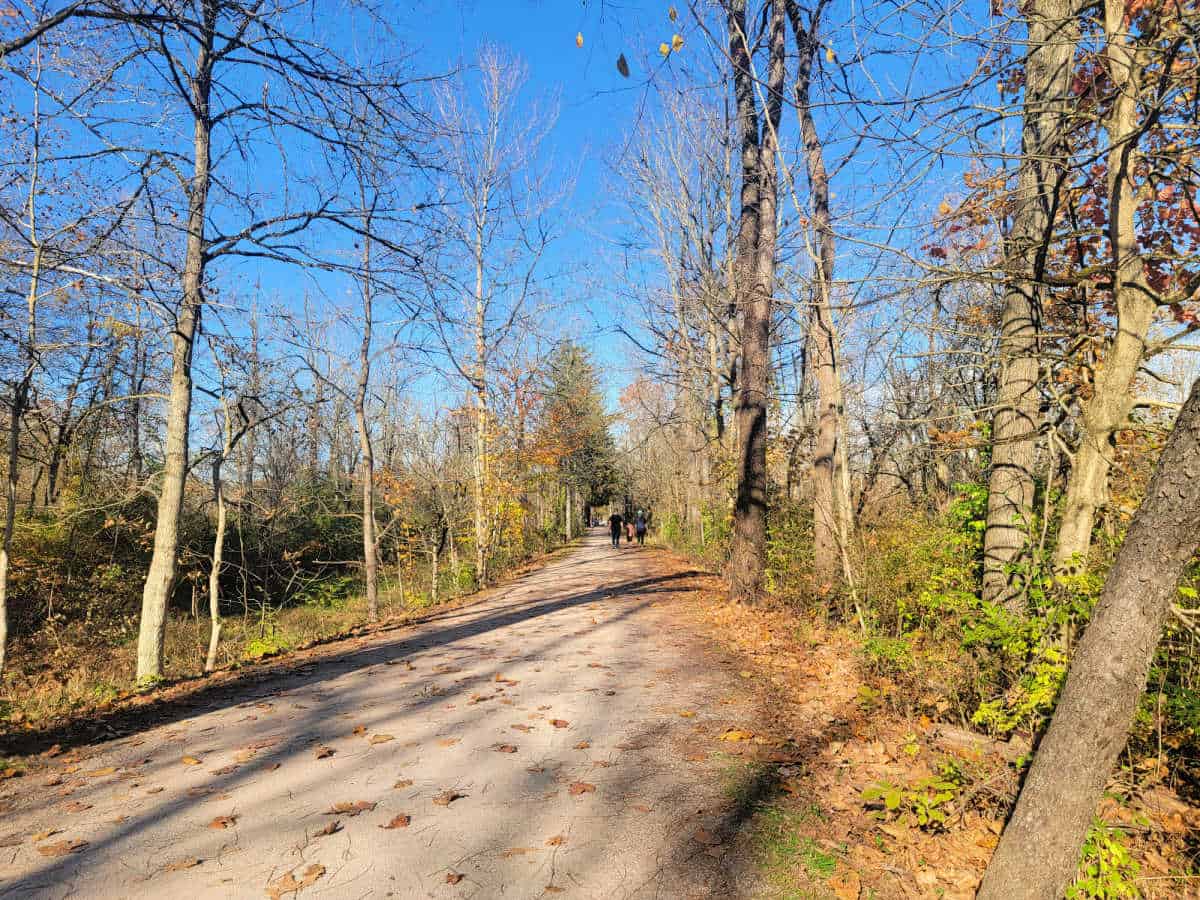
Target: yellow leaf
point(190, 761)
point(677, 43)
point(734, 734)
point(664, 49)
point(828, 54)
point(579, 39)
point(672, 13)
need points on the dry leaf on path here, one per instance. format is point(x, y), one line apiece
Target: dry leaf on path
point(190, 761)
point(557, 841)
point(332, 828)
point(61, 848)
point(97, 773)
point(505, 748)
point(381, 738)
point(581, 787)
point(583, 745)
point(846, 886)
point(445, 798)
point(288, 884)
point(453, 877)
point(402, 783)
point(49, 832)
point(180, 864)
point(323, 752)
point(223, 822)
point(551, 889)
point(359, 730)
point(400, 821)
point(346, 808)
point(447, 742)
point(525, 728)
point(735, 734)
point(560, 723)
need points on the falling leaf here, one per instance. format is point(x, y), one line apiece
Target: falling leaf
point(223, 822)
point(623, 66)
point(381, 738)
point(560, 723)
point(323, 752)
point(445, 798)
point(664, 50)
point(579, 39)
point(583, 745)
point(581, 787)
point(557, 841)
point(734, 734)
point(505, 748)
point(400, 821)
point(180, 864)
point(676, 43)
point(453, 877)
point(288, 884)
point(346, 808)
point(332, 828)
point(61, 848)
point(190, 761)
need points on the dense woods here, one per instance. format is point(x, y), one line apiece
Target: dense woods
point(909, 295)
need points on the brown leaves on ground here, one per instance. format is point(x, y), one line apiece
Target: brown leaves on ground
point(524, 728)
point(180, 864)
point(578, 788)
point(557, 841)
point(380, 739)
point(402, 783)
point(400, 821)
point(445, 798)
point(583, 745)
point(223, 822)
point(332, 828)
point(191, 761)
point(453, 877)
point(289, 884)
point(735, 734)
point(323, 752)
point(346, 808)
point(560, 723)
point(61, 848)
point(505, 748)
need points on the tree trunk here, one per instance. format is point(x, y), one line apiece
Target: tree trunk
point(218, 557)
point(1112, 398)
point(370, 543)
point(1039, 851)
point(160, 579)
point(754, 293)
point(1053, 32)
point(831, 503)
point(479, 387)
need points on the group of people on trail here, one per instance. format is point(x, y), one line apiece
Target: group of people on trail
point(617, 525)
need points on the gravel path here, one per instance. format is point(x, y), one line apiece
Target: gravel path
point(557, 738)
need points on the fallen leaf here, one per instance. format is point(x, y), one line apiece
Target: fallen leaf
point(97, 773)
point(687, 713)
point(53, 780)
point(400, 821)
point(517, 851)
point(583, 745)
point(557, 841)
point(847, 886)
point(180, 864)
point(190, 761)
point(447, 742)
point(346, 808)
point(360, 730)
point(332, 828)
point(154, 790)
point(288, 884)
point(323, 752)
point(49, 832)
point(223, 822)
point(505, 748)
point(402, 783)
point(525, 728)
point(581, 787)
point(551, 889)
point(453, 877)
point(61, 848)
point(381, 738)
point(734, 734)
point(445, 798)
point(560, 723)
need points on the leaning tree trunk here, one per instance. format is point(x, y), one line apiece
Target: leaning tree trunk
point(160, 579)
point(1039, 850)
point(218, 558)
point(1053, 34)
point(1112, 399)
point(754, 289)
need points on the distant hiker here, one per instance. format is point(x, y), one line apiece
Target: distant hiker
point(639, 525)
point(614, 527)
point(629, 532)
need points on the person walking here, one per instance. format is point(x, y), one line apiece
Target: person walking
point(614, 527)
point(639, 526)
point(629, 532)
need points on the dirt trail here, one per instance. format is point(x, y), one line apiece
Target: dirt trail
point(574, 718)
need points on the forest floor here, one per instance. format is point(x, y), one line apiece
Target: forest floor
point(603, 726)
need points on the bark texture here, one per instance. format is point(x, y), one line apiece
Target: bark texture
point(1039, 851)
point(1053, 32)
